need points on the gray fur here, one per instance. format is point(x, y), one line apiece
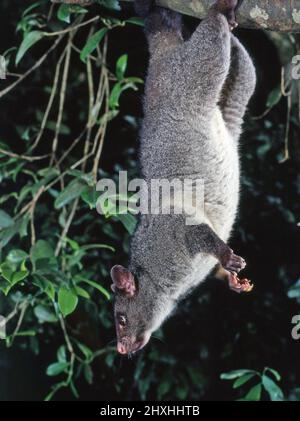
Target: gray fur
point(195, 99)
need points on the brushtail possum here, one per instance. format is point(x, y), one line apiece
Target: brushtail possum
point(196, 95)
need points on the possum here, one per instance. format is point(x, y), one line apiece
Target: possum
point(196, 94)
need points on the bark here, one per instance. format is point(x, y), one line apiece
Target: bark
point(276, 15)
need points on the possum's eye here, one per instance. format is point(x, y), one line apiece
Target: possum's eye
point(122, 320)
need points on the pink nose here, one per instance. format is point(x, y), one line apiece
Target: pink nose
point(121, 349)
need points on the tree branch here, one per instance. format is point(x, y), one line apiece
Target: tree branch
point(276, 15)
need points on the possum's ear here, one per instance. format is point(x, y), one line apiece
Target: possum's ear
point(123, 281)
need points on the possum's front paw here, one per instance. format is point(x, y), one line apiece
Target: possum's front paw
point(232, 262)
point(239, 285)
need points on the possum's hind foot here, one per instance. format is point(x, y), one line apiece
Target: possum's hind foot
point(144, 7)
point(228, 8)
point(158, 18)
point(239, 285)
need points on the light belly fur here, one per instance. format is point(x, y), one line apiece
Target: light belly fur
point(221, 195)
point(220, 198)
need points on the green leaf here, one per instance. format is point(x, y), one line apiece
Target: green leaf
point(82, 292)
point(182, 392)
point(271, 387)
point(235, 374)
point(71, 192)
point(5, 220)
point(92, 43)
point(61, 354)
point(30, 39)
point(7, 271)
point(44, 315)
point(67, 301)
point(31, 7)
point(294, 290)
point(163, 389)
point(242, 380)
point(119, 88)
point(65, 10)
point(274, 97)
point(121, 66)
point(56, 368)
point(129, 221)
point(87, 352)
point(254, 393)
point(96, 286)
point(110, 4)
point(274, 372)
point(64, 13)
point(8, 196)
point(74, 245)
point(16, 256)
point(50, 290)
point(88, 373)
point(42, 254)
point(136, 21)
point(74, 390)
point(19, 276)
point(45, 285)
point(5, 288)
point(8, 233)
point(115, 95)
point(22, 229)
point(89, 195)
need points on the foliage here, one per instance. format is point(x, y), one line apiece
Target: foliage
point(47, 274)
point(69, 118)
point(263, 382)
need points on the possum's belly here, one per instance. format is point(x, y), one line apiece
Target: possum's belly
point(221, 181)
point(198, 150)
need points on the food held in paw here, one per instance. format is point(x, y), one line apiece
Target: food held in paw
point(240, 285)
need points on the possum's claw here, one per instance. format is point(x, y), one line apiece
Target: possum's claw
point(239, 285)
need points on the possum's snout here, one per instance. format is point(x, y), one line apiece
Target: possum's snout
point(128, 345)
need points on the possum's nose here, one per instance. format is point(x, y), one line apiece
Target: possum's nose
point(130, 346)
point(121, 348)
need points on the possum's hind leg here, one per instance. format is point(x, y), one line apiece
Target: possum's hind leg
point(202, 239)
point(205, 59)
point(238, 88)
point(163, 27)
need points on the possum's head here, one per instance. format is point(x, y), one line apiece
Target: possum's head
point(137, 311)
